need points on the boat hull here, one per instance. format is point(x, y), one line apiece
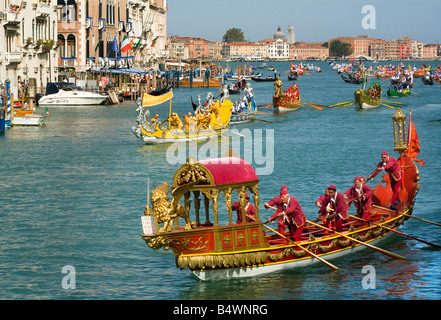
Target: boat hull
point(393, 93)
point(363, 103)
point(282, 104)
point(67, 100)
point(259, 270)
point(29, 120)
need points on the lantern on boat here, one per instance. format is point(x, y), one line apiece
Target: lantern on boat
point(400, 140)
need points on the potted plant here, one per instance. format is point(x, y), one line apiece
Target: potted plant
point(47, 45)
point(28, 41)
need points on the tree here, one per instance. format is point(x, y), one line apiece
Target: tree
point(339, 48)
point(234, 35)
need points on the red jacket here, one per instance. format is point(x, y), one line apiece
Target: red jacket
point(392, 167)
point(293, 212)
point(366, 201)
point(251, 211)
point(340, 207)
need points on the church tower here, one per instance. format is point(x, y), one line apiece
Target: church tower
point(291, 34)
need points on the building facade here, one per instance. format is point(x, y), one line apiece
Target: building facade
point(27, 43)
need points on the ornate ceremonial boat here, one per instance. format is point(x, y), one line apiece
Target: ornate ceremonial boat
point(365, 100)
point(157, 132)
point(213, 247)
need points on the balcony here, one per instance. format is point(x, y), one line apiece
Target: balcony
point(12, 20)
point(68, 62)
point(13, 57)
point(43, 11)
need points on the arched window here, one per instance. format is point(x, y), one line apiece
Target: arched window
point(61, 46)
point(71, 46)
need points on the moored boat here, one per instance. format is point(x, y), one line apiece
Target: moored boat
point(27, 117)
point(68, 94)
point(213, 247)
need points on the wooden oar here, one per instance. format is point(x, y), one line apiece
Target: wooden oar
point(416, 94)
point(269, 114)
point(338, 104)
point(317, 104)
point(383, 251)
point(394, 102)
point(311, 253)
point(263, 105)
point(310, 104)
point(421, 219)
point(387, 105)
point(396, 231)
point(269, 105)
point(263, 120)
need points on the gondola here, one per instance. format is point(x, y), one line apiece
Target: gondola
point(351, 79)
point(427, 80)
point(292, 77)
point(260, 79)
point(214, 247)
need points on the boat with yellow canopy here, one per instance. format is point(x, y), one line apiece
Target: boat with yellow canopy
point(211, 122)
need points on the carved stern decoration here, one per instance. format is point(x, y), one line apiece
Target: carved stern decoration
point(217, 182)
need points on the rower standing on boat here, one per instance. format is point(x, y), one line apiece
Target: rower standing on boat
point(393, 168)
point(321, 199)
point(250, 210)
point(361, 195)
point(289, 213)
point(334, 209)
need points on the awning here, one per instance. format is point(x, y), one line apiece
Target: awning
point(229, 170)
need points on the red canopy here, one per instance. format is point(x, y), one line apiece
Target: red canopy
point(229, 170)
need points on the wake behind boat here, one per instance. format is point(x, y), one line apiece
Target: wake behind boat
point(215, 251)
point(68, 94)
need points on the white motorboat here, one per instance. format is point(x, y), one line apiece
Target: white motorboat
point(68, 94)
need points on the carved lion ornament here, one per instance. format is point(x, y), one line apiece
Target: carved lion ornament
point(167, 211)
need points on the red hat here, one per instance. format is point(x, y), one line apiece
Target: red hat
point(246, 195)
point(332, 187)
point(384, 153)
point(357, 178)
point(284, 188)
point(283, 192)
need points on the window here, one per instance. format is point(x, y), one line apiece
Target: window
point(71, 46)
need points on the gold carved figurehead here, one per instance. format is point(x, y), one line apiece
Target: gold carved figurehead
point(400, 140)
point(167, 211)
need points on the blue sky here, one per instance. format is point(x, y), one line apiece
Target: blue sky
point(313, 20)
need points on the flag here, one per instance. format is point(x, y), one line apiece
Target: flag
point(138, 43)
point(98, 44)
point(125, 46)
point(115, 45)
point(47, 112)
point(413, 144)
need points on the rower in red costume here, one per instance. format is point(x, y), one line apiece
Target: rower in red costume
point(391, 166)
point(250, 210)
point(361, 195)
point(334, 209)
point(289, 213)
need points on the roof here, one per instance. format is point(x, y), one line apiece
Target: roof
point(229, 170)
point(215, 172)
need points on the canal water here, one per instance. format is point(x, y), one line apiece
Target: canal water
point(73, 191)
